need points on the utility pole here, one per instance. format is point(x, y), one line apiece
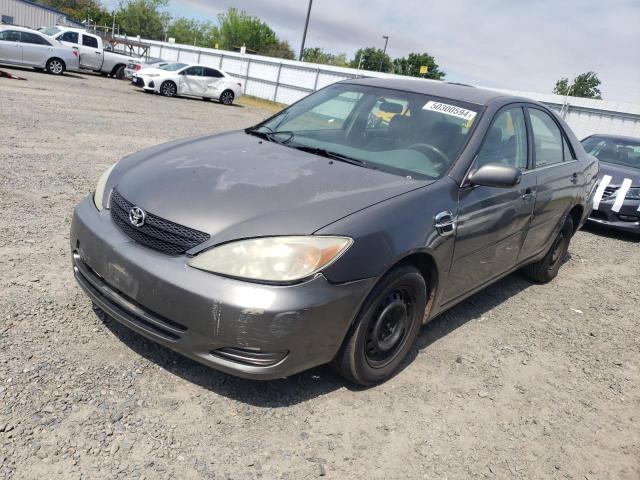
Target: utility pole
point(384, 52)
point(306, 26)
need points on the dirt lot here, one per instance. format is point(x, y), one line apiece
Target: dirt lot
point(521, 381)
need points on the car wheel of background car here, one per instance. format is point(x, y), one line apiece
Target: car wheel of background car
point(226, 97)
point(385, 329)
point(55, 66)
point(119, 73)
point(546, 269)
point(168, 89)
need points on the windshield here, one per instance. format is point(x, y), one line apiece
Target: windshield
point(172, 67)
point(397, 131)
point(50, 31)
point(614, 150)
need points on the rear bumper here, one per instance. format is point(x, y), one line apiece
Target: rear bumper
point(627, 219)
point(246, 329)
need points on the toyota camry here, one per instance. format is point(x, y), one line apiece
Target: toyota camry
point(332, 231)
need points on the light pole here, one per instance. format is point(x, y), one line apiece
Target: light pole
point(304, 35)
point(384, 52)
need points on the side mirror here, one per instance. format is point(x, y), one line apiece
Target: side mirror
point(496, 175)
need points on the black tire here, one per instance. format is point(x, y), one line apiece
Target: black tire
point(55, 66)
point(385, 329)
point(545, 270)
point(119, 72)
point(227, 97)
point(168, 89)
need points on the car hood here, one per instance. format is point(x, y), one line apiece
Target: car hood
point(236, 185)
point(149, 70)
point(619, 172)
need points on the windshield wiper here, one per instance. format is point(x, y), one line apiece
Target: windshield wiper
point(333, 155)
point(271, 135)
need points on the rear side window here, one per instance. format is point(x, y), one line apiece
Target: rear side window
point(193, 71)
point(88, 41)
point(211, 72)
point(547, 138)
point(506, 140)
point(33, 39)
point(10, 36)
point(71, 37)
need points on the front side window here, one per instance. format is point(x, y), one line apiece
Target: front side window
point(620, 151)
point(71, 37)
point(88, 41)
point(506, 140)
point(33, 39)
point(547, 138)
point(10, 36)
point(405, 133)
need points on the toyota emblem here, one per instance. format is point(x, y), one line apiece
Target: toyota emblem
point(137, 217)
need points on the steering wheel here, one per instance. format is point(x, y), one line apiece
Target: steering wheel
point(425, 147)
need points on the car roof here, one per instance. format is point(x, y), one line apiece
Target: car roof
point(455, 91)
point(613, 137)
point(20, 29)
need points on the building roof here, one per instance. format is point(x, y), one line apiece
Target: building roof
point(436, 88)
point(50, 9)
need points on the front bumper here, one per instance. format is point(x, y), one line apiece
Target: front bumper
point(246, 329)
point(627, 219)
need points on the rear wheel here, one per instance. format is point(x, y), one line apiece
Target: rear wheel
point(226, 97)
point(168, 89)
point(385, 329)
point(119, 72)
point(55, 66)
point(545, 270)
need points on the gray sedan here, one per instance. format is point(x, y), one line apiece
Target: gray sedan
point(25, 47)
point(332, 231)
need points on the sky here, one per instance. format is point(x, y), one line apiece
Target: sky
point(520, 45)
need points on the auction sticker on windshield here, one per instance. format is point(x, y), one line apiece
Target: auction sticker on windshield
point(450, 110)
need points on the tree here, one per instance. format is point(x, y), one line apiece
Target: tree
point(373, 59)
point(189, 31)
point(584, 85)
point(81, 10)
point(280, 49)
point(318, 55)
point(411, 64)
point(238, 28)
point(146, 18)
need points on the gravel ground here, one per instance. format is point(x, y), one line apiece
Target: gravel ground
point(520, 381)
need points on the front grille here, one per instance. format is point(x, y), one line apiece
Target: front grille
point(139, 82)
point(156, 233)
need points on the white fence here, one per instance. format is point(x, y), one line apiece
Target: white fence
point(286, 81)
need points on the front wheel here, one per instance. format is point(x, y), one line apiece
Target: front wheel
point(168, 89)
point(545, 270)
point(226, 97)
point(55, 66)
point(385, 329)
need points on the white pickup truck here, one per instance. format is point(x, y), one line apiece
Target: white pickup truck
point(90, 47)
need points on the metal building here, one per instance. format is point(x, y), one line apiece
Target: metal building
point(33, 15)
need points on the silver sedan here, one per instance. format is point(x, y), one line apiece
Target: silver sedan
point(25, 47)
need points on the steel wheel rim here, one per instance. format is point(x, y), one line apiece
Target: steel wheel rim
point(55, 66)
point(558, 250)
point(388, 328)
point(168, 89)
point(227, 98)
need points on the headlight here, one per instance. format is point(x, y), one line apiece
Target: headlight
point(633, 194)
point(272, 259)
point(98, 196)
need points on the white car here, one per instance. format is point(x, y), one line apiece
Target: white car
point(26, 47)
point(193, 80)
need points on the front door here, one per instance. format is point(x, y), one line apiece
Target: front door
point(555, 168)
point(492, 222)
point(191, 81)
point(90, 53)
point(10, 48)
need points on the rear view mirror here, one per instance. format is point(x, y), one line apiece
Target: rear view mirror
point(496, 175)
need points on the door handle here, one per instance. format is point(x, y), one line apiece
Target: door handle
point(445, 223)
point(528, 193)
point(574, 178)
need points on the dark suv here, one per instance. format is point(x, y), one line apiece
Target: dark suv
point(332, 231)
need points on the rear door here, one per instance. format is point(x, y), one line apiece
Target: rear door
point(10, 48)
point(191, 82)
point(35, 49)
point(556, 169)
point(90, 52)
point(211, 79)
point(492, 222)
